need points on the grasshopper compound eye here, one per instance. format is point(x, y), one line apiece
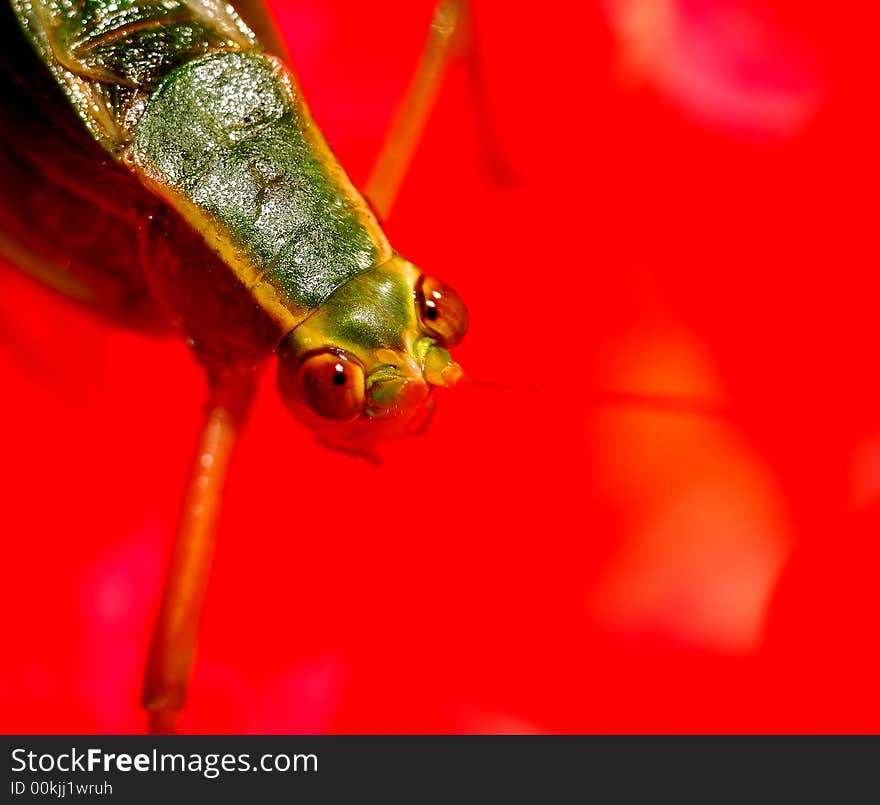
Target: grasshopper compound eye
point(332, 385)
point(441, 311)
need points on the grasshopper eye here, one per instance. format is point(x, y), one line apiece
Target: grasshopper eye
point(441, 310)
point(332, 386)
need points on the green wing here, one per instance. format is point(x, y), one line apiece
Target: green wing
point(108, 55)
point(69, 213)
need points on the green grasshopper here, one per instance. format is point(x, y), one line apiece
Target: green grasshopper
point(174, 128)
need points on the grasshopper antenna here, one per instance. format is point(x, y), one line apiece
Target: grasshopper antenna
point(646, 400)
point(668, 403)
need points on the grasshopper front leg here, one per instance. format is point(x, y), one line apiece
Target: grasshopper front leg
point(412, 112)
point(451, 35)
point(175, 632)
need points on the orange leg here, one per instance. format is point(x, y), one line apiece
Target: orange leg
point(414, 107)
point(173, 644)
point(451, 34)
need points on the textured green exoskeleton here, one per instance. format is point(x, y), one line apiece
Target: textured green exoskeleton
point(253, 238)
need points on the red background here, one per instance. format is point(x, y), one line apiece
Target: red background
point(694, 214)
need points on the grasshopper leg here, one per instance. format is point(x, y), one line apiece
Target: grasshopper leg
point(414, 107)
point(451, 35)
point(175, 631)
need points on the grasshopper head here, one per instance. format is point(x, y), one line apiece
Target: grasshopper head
point(363, 366)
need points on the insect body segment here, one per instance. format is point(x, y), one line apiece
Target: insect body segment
point(108, 55)
point(228, 142)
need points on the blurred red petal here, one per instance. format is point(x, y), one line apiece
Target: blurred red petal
point(725, 63)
